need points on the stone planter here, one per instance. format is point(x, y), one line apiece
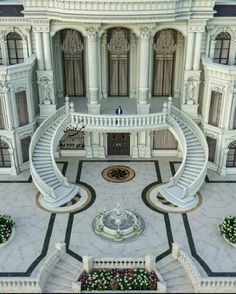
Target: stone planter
point(13, 231)
point(232, 244)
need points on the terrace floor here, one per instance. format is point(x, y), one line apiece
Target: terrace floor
point(196, 232)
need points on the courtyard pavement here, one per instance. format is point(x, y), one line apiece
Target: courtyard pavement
point(37, 230)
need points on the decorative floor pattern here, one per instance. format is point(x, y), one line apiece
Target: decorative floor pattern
point(118, 174)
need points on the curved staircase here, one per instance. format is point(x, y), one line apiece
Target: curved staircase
point(180, 191)
point(174, 275)
point(183, 186)
point(53, 186)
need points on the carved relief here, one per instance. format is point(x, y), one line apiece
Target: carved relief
point(191, 87)
point(45, 86)
point(72, 42)
point(92, 33)
point(118, 43)
point(165, 43)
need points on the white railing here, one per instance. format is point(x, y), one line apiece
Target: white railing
point(128, 6)
point(119, 123)
point(194, 187)
point(41, 185)
point(54, 145)
point(183, 143)
point(20, 285)
point(203, 285)
point(50, 263)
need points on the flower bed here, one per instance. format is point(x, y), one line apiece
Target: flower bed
point(6, 225)
point(118, 279)
point(227, 228)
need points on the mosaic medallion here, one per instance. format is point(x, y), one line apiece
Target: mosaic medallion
point(118, 174)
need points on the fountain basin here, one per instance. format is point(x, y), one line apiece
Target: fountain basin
point(118, 224)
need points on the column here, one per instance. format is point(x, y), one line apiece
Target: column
point(135, 145)
point(133, 65)
point(143, 106)
point(197, 54)
point(212, 48)
point(223, 169)
point(3, 44)
point(93, 105)
point(232, 52)
point(47, 51)
point(7, 104)
point(189, 54)
point(89, 153)
point(104, 65)
point(39, 50)
point(179, 65)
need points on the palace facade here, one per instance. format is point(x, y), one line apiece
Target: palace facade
point(93, 56)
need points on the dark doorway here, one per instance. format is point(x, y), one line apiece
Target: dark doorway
point(118, 144)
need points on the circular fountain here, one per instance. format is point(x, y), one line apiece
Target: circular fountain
point(118, 224)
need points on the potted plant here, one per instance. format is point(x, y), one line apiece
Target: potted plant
point(227, 228)
point(6, 228)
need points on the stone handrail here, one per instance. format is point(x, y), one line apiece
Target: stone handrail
point(118, 123)
point(50, 263)
point(119, 263)
point(54, 144)
point(203, 285)
point(192, 190)
point(130, 6)
point(41, 185)
point(183, 143)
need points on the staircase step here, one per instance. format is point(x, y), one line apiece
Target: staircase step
point(49, 177)
point(64, 273)
point(52, 288)
point(55, 186)
point(51, 182)
point(189, 177)
point(59, 281)
point(44, 173)
point(190, 169)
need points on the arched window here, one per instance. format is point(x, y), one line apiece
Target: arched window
point(163, 62)
point(231, 158)
point(118, 45)
point(222, 46)
point(73, 55)
point(5, 159)
point(15, 49)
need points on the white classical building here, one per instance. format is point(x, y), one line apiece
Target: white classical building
point(72, 63)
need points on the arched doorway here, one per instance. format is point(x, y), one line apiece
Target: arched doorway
point(164, 49)
point(5, 158)
point(118, 46)
point(231, 157)
point(69, 62)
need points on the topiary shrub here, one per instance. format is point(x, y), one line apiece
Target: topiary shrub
point(6, 224)
point(227, 228)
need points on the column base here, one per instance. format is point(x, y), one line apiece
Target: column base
point(143, 108)
point(46, 110)
point(94, 108)
point(190, 109)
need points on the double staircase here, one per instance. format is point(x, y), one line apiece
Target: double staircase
point(182, 187)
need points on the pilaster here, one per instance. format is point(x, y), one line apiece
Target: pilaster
point(45, 75)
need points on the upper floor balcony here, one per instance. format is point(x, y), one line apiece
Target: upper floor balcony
point(104, 10)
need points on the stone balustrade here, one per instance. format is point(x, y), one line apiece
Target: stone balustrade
point(203, 285)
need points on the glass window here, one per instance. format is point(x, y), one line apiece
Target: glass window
point(22, 110)
point(5, 159)
point(212, 148)
point(231, 157)
point(15, 48)
point(25, 148)
point(215, 107)
point(222, 46)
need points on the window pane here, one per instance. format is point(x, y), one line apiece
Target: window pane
point(25, 148)
point(22, 111)
point(212, 148)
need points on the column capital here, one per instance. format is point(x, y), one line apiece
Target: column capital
point(41, 25)
point(92, 33)
point(196, 26)
point(144, 33)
